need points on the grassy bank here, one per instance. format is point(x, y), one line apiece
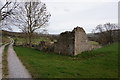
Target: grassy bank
point(0, 44)
point(100, 63)
point(93, 43)
point(5, 63)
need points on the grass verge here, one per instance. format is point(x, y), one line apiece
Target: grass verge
point(100, 63)
point(5, 62)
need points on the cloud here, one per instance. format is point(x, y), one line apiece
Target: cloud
point(86, 15)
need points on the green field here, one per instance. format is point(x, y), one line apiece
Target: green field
point(100, 63)
point(21, 41)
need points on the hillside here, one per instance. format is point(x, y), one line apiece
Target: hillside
point(11, 34)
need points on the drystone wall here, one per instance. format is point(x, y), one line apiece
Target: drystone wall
point(45, 46)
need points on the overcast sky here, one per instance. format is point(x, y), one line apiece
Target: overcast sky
point(68, 14)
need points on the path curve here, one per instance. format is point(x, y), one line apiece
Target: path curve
point(15, 67)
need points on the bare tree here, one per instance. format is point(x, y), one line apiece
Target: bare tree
point(6, 12)
point(30, 17)
point(107, 33)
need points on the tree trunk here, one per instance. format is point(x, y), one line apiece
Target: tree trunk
point(0, 17)
point(30, 40)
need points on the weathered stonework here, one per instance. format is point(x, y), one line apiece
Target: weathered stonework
point(72, 43)
point(65, 43)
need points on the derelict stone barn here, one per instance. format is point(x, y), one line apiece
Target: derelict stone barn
point(72, 43)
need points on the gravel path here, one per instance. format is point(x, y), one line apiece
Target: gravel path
point(15, 66)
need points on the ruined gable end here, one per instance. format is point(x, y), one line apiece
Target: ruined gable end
point(80, 41)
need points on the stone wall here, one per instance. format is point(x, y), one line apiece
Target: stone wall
point(72, 43)
point(45, 46)
point(65, 44)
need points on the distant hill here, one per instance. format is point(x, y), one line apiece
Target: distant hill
point(90, 36)
point(11, 34)
point(6, 33)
